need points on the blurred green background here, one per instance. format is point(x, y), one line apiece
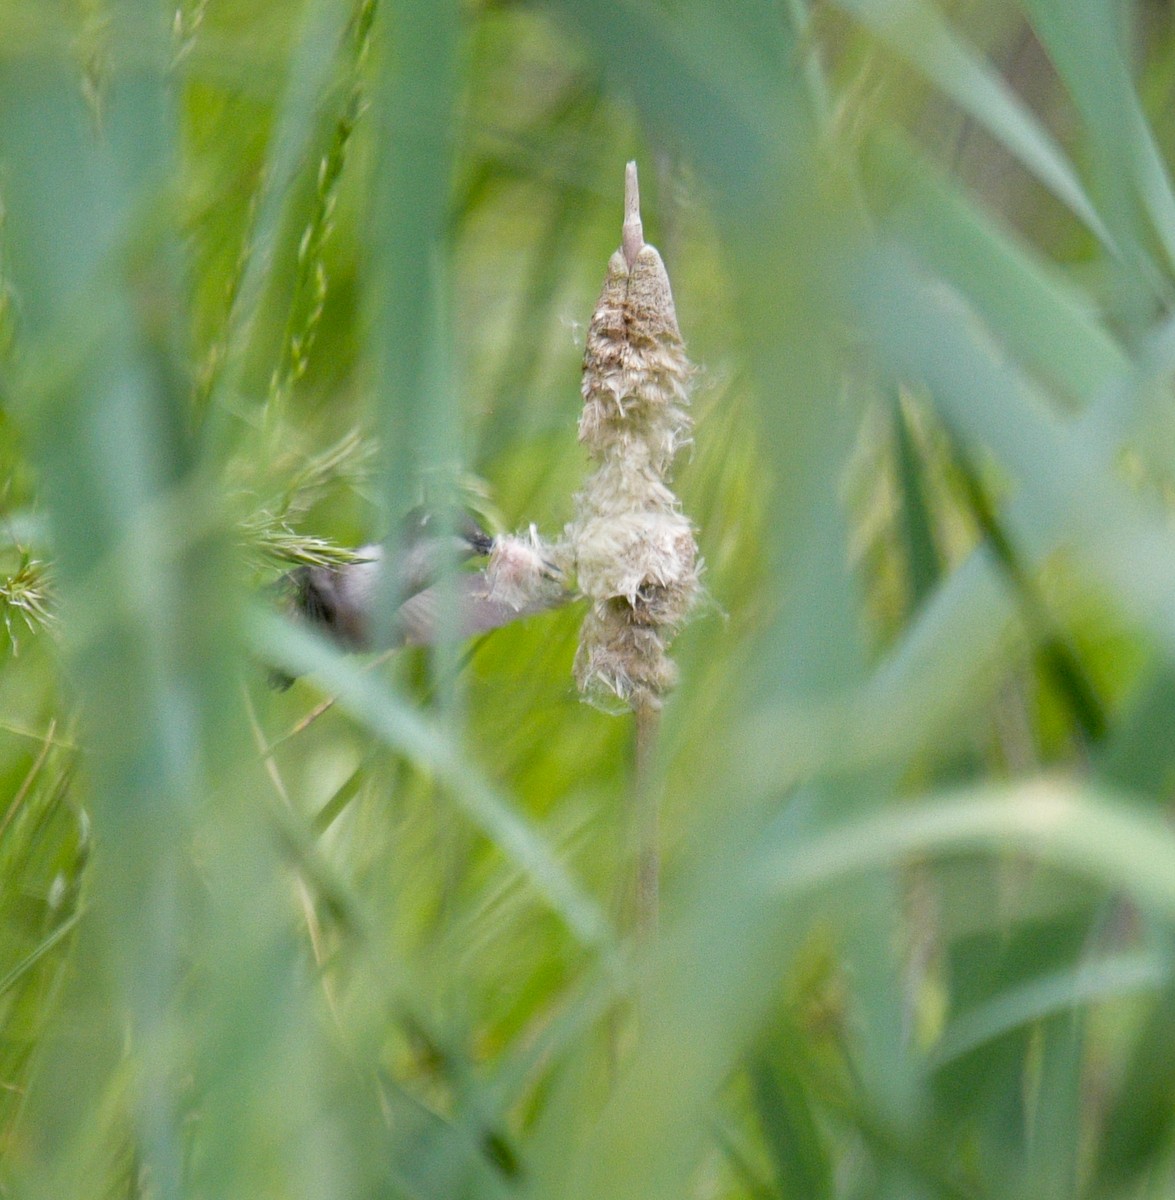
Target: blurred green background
point(273, 272)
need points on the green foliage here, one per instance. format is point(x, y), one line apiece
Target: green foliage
point(273, 273)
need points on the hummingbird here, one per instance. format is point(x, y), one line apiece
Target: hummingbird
point(339, 601)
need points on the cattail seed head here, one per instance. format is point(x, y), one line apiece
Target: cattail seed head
point(635, 370)
point(636, 555)
point(634, 552)
point(621, 660)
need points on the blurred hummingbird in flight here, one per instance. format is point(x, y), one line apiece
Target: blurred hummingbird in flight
point(339, 601)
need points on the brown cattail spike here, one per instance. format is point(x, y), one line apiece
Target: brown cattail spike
point(634, 552)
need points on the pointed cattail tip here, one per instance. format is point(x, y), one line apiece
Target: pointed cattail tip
point(633, 231)
point(632, 549)
point(631, 188)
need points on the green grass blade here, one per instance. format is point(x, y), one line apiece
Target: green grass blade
point(791, 1133)
point(917, 33)
point(1068, 494)
point(1047, 323)
point(1086, 43)
point(1139, 1111)
point(923, 561)
point(411, 348)
point(1087, 983)
point(313, 68)
point(26, 964)
point(409, 731)
point(1118, 847)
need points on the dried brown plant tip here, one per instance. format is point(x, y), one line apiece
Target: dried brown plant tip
point(635, 370)
point(634, 552)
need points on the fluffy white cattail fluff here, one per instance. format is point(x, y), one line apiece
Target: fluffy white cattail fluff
point(634, 552)
point(521, 574)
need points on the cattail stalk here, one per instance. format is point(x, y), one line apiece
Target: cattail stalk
point(647, 820)
point(634, 551)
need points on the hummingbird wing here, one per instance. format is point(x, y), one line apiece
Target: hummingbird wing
point(340, 601)
point(419, 619)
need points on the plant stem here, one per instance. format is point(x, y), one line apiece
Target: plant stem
point(647, 820)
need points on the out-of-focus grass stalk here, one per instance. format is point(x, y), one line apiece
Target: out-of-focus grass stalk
point(310, 285)
point(108, 442)
point(311, 72)
point(417, 44)
point(151, 602)
point(647, 820)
